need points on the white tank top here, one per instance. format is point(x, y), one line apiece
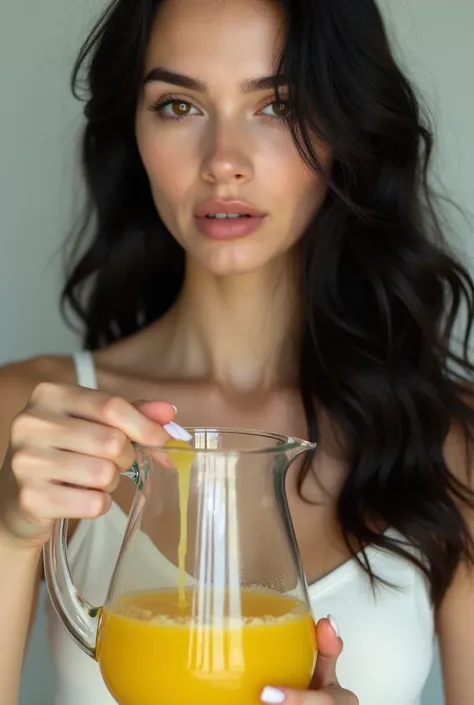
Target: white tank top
point(388, 638)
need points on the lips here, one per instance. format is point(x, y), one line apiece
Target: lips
point(227, 209)
point(227, 216)
point(227, 220)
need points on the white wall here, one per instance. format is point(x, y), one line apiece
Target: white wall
point(38, 127)
point(38, 192)
point(39, 122)
point(434, 41)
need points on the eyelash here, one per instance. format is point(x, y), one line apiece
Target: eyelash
point(162, 103)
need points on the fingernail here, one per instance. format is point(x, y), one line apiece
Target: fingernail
point(175, 409)
point(334, 625)
point(177, 431)
point(273, 696)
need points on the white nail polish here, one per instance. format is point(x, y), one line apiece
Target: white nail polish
point(272, 696)
point(333, 624)
point(177, 431)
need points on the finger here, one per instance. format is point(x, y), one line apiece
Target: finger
point(100, 407)
point(63, 467)
point(154, 410)
point(151, 409)
point(279, 696)
point(159, 411)
point(329, 649)
point(75, 435)
point(334, 695)
point(46, 501)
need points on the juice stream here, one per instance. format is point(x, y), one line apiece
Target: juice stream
point(183, 463)
point(149, 643)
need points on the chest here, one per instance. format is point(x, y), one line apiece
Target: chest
point(315, 523)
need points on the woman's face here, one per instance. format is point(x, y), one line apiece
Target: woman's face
point(212, 138)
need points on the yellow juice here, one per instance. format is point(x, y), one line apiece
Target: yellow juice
point(152, 651)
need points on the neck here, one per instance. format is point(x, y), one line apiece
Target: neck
point(239, 331)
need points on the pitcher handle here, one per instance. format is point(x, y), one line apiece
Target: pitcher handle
point(80, 618)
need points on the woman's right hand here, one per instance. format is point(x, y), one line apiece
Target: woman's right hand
point(67, 448)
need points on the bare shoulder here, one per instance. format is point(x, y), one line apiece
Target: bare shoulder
point(459, 442)
point(455, 616)
point(19, 379)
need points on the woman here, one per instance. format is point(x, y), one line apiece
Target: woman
point(262, 254)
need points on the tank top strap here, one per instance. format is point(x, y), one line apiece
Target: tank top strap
point(85, 369)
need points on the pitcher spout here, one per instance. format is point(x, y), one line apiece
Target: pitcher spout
point(299, 447)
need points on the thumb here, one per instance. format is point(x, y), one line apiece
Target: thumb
point(159, 411)
point(329, 649)
point(163, 413)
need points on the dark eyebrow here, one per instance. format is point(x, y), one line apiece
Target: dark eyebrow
point(177, 79)
point(254, 85)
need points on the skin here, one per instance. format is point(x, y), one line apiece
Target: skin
point(234, 144)
point(224, 355)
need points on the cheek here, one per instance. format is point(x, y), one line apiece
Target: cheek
point(285, 173)
point(300, 193)
point(171, 175)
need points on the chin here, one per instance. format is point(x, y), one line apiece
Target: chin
point(229, 261)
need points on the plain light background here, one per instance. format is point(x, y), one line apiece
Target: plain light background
point(40, 190)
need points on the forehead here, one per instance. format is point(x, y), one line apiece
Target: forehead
point(228, 37)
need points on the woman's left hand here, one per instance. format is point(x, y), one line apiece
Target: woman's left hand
point(324, 688)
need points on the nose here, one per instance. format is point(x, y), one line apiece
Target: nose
point(227, 156)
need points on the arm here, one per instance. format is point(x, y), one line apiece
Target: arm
point(65, 451)
point(455, 622)
point(456, 635)
point(18, 598)
point(20, 569)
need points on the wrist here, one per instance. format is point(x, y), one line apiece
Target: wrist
point(13, 545)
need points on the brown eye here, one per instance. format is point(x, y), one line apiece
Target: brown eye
point(282, 109)
point(175, 108)
point(180, 108)
point(279, 109)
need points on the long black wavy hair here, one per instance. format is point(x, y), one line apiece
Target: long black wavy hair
point(380, 295)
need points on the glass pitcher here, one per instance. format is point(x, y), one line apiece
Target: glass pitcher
point(208, 602)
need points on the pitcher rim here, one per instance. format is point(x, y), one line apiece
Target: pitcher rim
point(288, 442)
